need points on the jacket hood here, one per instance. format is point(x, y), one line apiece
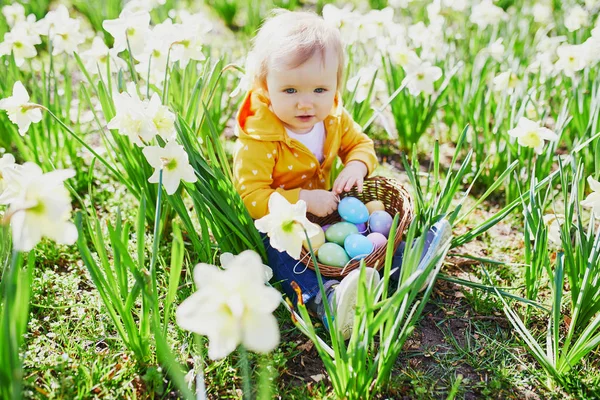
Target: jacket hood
point(256, 120)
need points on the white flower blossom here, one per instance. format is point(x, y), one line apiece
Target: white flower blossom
point(94, 59)
point(7, 161)
point(40, 208)
point(232, 306)
point(593, 199)
point(542, 13)
point(420, 77)
point(576, 19)
point(496, 50)
point(21, 43)
point(571, 58)
point(130, 26)
point(553, 223)
point(131, 119)
point(13, 13)
point(505, 81)
point(285, 225)
point(486, 13)
point(20, 111)
point(173, 161)
point(530, 134)
point(362, 81)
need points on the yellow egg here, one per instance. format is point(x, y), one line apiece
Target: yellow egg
point(315, 241)
point(375, 205)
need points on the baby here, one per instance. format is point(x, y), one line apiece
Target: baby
point(291, 127)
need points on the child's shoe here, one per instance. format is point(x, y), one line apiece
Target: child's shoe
point(437, 238)
point(342, 300)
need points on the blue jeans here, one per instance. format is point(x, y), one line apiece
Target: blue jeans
point(286, 269)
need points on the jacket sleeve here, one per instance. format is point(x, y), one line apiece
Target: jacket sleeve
point(355, 144)
point(253, 176)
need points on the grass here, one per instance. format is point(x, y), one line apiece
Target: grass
point(463, 344)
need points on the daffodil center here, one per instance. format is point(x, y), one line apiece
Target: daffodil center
point(420, 76)
point(531, 139)
point(37, 209)
point(130, 31)
point(169, 163)
point(18, 45)
point(288, 226)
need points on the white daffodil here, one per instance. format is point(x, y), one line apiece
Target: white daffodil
point(95, 58)
point(542, 13)
point(163, 119)
point(285, 225)
point(505, 81)
point(571, 58)
point(131, 119)
point(20, 111)
point(593, 199)
point(21, 43)
point(496, 50)
point(228, 259)
point(487, 13)
point(62, 30)
point(7, 161)
point(143, 5)
point(41, 208)
point(232, 306)
point(246, 80)
point(132, 26)
point(531, 134)
point(13, 13)
point(188, 46)
point(553, 223)
point(420, 77)
point(361, 83)
point(173, 161)
point(577, 18)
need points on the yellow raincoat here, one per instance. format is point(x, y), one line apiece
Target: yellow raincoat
point(267, 159)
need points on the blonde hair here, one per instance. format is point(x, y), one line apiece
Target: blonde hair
point(291, 39)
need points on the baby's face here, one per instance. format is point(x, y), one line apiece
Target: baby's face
point(303, 96)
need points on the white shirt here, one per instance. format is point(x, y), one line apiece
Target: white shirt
point(313, 140)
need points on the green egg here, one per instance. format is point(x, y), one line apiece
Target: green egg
point(337, 233)
point(333, 255)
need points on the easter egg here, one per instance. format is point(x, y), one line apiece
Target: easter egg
point(377, 239)
point(337, 232)
point(333, 254)
point(358, 246)
point(316, 241)
point(362, 227)
point(353, 210)
point(325, 227)
point(375, 205)
point(380, 221)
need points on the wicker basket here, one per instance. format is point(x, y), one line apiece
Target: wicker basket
point(396, 200)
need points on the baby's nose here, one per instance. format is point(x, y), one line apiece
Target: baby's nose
point(304, 104)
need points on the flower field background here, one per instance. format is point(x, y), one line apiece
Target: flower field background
point(131, 269)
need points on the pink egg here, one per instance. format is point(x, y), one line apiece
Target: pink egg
point(380, 221)
point(377, 239)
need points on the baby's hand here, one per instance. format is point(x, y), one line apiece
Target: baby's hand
point(352, 174)
point(319, 202)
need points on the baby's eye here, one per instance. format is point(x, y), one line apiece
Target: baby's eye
point(320, 90)
point(290, 91)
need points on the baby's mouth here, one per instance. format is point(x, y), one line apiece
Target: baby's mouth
point(304, 117)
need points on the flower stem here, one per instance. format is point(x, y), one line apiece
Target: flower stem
point(245, 364)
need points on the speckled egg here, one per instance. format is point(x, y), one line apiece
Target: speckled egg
point(315, 241)
point(377, 239)
point(358, 246)
point(375, 205)
point(333, 254)
point(380, 221)
point(337, 233)
point(353, 210)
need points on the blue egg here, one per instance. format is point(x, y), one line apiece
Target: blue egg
point(338, 232)
point(358, 246)
point(353, 210)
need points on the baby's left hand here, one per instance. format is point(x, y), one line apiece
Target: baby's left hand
point(352, 174)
